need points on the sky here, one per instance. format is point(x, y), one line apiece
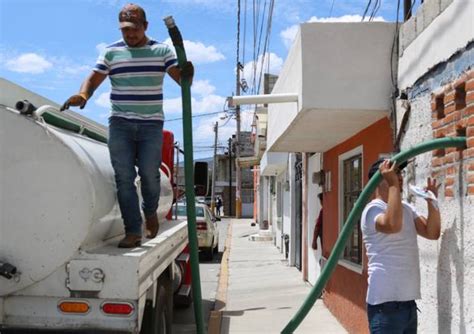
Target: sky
point(50, 46)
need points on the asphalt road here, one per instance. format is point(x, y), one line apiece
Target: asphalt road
point(183, 318)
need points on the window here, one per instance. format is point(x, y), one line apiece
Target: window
point(350, 188)
point(182, 211)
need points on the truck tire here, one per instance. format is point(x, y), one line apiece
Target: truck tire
point(159, 319)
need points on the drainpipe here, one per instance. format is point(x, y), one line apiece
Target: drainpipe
point(262, 99)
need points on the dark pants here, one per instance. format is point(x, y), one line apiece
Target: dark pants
point(134, 143)
point(393, 318)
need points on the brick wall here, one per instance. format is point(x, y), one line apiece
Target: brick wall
point(452, 109)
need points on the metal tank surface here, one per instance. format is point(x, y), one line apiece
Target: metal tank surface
point(57, 197)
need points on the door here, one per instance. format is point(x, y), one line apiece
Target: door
point(298, 210)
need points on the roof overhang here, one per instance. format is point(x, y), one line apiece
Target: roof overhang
point(273, 163)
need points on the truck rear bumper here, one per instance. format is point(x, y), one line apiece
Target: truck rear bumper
point(43, 313)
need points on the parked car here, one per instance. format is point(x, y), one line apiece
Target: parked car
point(207, 230)
point(207, 200)
point(204, 199)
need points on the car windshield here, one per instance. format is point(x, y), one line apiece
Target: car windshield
point(182, 211)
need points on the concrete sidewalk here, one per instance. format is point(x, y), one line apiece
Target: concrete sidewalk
point(259, 293)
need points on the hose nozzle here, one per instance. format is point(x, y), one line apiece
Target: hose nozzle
point(169, 22)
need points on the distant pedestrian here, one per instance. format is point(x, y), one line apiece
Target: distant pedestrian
point(318, 228)
point(390, 227)
point(218, 206)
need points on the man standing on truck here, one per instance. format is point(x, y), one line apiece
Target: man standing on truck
point(390, 227)
point(136, 66)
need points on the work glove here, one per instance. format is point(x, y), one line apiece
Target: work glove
point(75, 100)
point(187, 71)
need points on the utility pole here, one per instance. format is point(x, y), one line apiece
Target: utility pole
point(214, 168)
point(238, 175)
point(230, 176)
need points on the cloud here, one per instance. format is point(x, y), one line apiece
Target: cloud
point(199, 53)
point(203, 87)
point(289, 34)
point(73, 70)
point(173, 106)
point(31, 63)
point(103, 100)
point(101, 47)
point(275, 62)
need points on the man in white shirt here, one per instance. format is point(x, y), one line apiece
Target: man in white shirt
point(390, 227)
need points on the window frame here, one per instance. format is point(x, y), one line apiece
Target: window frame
point(341, 159)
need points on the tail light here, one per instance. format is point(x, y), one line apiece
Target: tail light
point(117, 308)
point(74, 307)
point(201, 226)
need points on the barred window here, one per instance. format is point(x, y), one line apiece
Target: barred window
point(352, 187)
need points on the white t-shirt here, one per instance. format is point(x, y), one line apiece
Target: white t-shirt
point(394, 267)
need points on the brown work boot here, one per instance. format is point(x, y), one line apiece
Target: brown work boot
point(152, 226)
point(130, 241)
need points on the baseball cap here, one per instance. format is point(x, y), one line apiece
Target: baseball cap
point(375, 166)
point(131, 16)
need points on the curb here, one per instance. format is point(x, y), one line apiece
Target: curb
point(215, 317)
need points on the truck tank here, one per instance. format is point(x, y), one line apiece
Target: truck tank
point(57, 197)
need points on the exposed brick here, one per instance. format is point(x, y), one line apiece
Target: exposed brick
point(451, 157)
point(461, 125)
point(449, 130)
point(469, 97)
point(437, 124)
point(451, 170)
point(448, 98)
point(470, 190)
point(470, 166)
point(448, 192)
point(450, 149)
point(470, 127)
point(468, 111)
point(462, 79)
point(470, 85)
point(470, 142)
point(449, 181)
point(470, 74)
point(437, 161)
point(452, 117)
point(468, 153)
point(449, 108)
point(470, 178)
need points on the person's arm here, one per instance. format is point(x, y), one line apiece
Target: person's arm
point(317, 230)
point(430, 228)
point(176, 73)
point(88, 87)
point(391, 220)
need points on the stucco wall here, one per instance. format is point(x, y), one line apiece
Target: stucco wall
point(447, 265)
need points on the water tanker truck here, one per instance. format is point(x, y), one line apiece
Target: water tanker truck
point(60, 268)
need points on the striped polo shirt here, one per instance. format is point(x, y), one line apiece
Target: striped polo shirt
point(136, 75)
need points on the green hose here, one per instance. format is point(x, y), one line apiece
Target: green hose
point(188, 173)
point(353, 217)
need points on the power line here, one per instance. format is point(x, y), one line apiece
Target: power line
point(198, 115)
point(332, 6)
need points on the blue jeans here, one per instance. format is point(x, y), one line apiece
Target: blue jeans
point(136, 143)
point(393, 318)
